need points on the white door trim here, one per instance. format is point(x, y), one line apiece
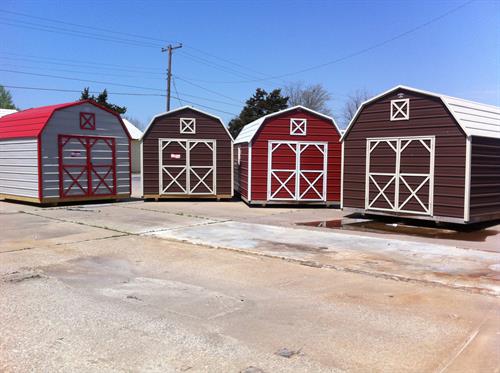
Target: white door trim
point(297, 173)
point(399, 144)
point(199, 179)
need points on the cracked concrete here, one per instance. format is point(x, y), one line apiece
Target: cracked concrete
point(92, 299)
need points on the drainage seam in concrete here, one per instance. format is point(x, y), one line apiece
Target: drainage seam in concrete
point(309, 263)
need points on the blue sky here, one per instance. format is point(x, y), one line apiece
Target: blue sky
point(233, 47)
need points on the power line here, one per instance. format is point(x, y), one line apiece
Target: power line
point(58, 30)
point(370, 48)
point(80, 62)
point(176, 92)
point(85, 26)
point(116, 93)
point(112, 84)
point(208, 90)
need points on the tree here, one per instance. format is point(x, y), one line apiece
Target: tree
point(314, 96)
point(260, 104)
point(102, 99)
point(352, 104)
point(6, 99)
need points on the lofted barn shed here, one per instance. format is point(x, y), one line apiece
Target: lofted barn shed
point(419, 154)
point(291, 156)
point(77, 151)
point(187, 153)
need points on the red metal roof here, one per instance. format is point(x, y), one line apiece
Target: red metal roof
point(31, 122)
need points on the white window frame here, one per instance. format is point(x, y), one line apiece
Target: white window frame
point(239, 155)
point(400, 109)
point(298, 127)
point(188, 126)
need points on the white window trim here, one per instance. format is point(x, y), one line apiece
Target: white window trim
point(400, 109)
point(298, 127)
point(188, 126)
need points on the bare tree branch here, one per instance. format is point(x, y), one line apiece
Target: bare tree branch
point(314, 96)
point(352, 104)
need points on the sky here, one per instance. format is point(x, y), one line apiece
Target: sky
point(230, 48)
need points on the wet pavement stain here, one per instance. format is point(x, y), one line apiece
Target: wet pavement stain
point(474, 233)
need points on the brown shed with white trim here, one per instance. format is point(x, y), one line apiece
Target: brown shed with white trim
point(419, 154)
point(187, 153)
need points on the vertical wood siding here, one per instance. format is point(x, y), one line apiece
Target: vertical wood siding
point(485, 178)
point(207, 128)
point(19, 167)
point(241, 170)
point(277, 128)
point(428, 117)
point(67, 122)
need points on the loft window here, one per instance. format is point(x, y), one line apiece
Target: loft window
point(400, 109)
point(87, 121)
point(188, 125)
point(298, 127)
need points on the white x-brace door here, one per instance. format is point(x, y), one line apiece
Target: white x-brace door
point(291, 176)
point(400, 174)
point(182, 171)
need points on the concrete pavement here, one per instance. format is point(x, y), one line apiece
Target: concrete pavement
point(110, 287)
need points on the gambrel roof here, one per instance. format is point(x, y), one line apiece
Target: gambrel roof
point(31, 122)
point(474, 118)
point(250, 130)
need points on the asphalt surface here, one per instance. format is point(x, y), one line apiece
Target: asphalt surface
point(183, 286)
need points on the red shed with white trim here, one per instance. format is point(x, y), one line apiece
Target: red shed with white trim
point(76, 151)
point(289, 157)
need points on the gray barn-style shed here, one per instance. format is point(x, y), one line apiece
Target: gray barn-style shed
point(76, 151)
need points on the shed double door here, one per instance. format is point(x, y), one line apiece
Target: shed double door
point(187, 167)
point(87, 166)
point(400, 174)
point(297, 171)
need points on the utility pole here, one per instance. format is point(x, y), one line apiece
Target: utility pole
point(169, 49)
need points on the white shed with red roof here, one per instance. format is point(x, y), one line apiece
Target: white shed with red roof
point(77, 151)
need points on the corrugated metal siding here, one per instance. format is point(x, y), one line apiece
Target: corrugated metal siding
point(207, 128)
point(19, 167)
point(67, 122)
point(241, 170)
point(278, 128)
point(485, 178)
point(428, 116)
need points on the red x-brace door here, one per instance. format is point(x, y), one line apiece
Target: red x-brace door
point(87, 166)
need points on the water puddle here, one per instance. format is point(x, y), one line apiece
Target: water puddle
point(473, 234)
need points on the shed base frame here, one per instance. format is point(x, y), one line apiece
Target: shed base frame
point(292, 203)
point(57, 200)
point(437, 219)
point(187, 196)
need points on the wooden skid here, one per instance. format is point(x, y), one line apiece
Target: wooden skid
point(293, 203)
point(56, 200)
point(187, 196)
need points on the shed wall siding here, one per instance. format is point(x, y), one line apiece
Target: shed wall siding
point(19, 167)
point(67, 122)
point(241, 170)
point(278, 128)
point(485, 178)
point(135, 151)
point(207, 128)
point(428, 117)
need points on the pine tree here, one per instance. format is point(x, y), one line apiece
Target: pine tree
point(260, 104)
point(102, 99)
point(6, 99)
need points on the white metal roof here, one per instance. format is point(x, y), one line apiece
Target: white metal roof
point(250, 130)
point(4, 112)
point(187, 107)
point(135, 133)
point(474, 118)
